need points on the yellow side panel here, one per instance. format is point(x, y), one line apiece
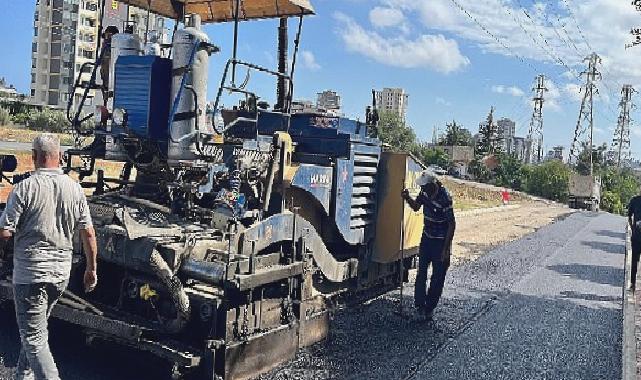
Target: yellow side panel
point(399, 171)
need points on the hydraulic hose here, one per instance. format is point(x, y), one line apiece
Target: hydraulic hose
point(176, 291)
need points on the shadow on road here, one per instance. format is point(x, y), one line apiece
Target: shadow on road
point(594, 273)
point(612, 234)
point(618, 248)
point(589, 297)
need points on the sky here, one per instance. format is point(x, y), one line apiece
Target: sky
point(456, 58)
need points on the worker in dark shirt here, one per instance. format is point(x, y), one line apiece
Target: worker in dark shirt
point(634, 219)
point(436, 242)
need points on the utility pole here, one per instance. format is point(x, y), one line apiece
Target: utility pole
point(621, 140)
point(586, 113)
point(282, 87)
point(535, 134)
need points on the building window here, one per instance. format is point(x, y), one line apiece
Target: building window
point(88, 22)
point(90, 6)
point(33, 93)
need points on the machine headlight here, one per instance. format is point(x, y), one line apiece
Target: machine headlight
point(119, 117)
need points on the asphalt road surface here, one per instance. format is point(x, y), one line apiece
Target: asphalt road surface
point(547, 306)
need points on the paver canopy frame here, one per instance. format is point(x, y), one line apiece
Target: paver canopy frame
point(212, 11)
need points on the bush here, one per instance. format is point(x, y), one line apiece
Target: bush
point(548, 180)
point(611, 202)
point(5, 117)
point(621, 185)
point(48, 121)
point(21, 118)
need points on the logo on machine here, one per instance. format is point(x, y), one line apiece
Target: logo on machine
point(320, 180)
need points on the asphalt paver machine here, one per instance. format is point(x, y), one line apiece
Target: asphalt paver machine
point(226, 240)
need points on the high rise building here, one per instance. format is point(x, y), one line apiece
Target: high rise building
point(66, 37)
point(520, 147)
point(392, 100)
point(507, 130)
point(329, 101)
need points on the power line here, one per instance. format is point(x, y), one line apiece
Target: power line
point(489, 33)
point(551, 53)
point(578, 27)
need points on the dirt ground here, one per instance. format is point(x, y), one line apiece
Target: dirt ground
point(479, 233)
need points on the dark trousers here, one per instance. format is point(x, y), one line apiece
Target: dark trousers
point(636, 253)
point(430, 254)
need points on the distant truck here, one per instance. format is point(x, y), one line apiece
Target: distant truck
point(585, 192)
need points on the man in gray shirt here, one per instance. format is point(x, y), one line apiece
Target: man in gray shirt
point(43, 212)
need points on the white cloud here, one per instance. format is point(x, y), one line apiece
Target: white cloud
point(552, 96)
point(309, 61)
point(509, 90)
point(442, 101)
point(386, 17)
point(550, 34)
point(573, 91)
point(425, 51)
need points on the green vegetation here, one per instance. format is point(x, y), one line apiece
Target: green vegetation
point(619, 186)
point(5, 116)
point(49, 121)
point(489, 140)
point(456, 135)
point(548, 180)
point(33, 117)
point(393, 131)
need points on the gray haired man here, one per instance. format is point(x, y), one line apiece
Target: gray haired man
point(42, 213)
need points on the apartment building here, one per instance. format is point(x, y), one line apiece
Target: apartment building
point(329, 101)
point(392, 100)
point(66, 38)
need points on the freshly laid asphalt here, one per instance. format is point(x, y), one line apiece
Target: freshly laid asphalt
point(547, 306)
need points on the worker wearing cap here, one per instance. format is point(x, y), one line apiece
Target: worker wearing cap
point(436, 242)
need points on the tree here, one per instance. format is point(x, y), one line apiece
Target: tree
point(432, 156)
point(548, 180)
point(619, 186)
point(456, 135)
point(509, 173)
point(598, 159)
point(489, 139)
point(393, 131)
